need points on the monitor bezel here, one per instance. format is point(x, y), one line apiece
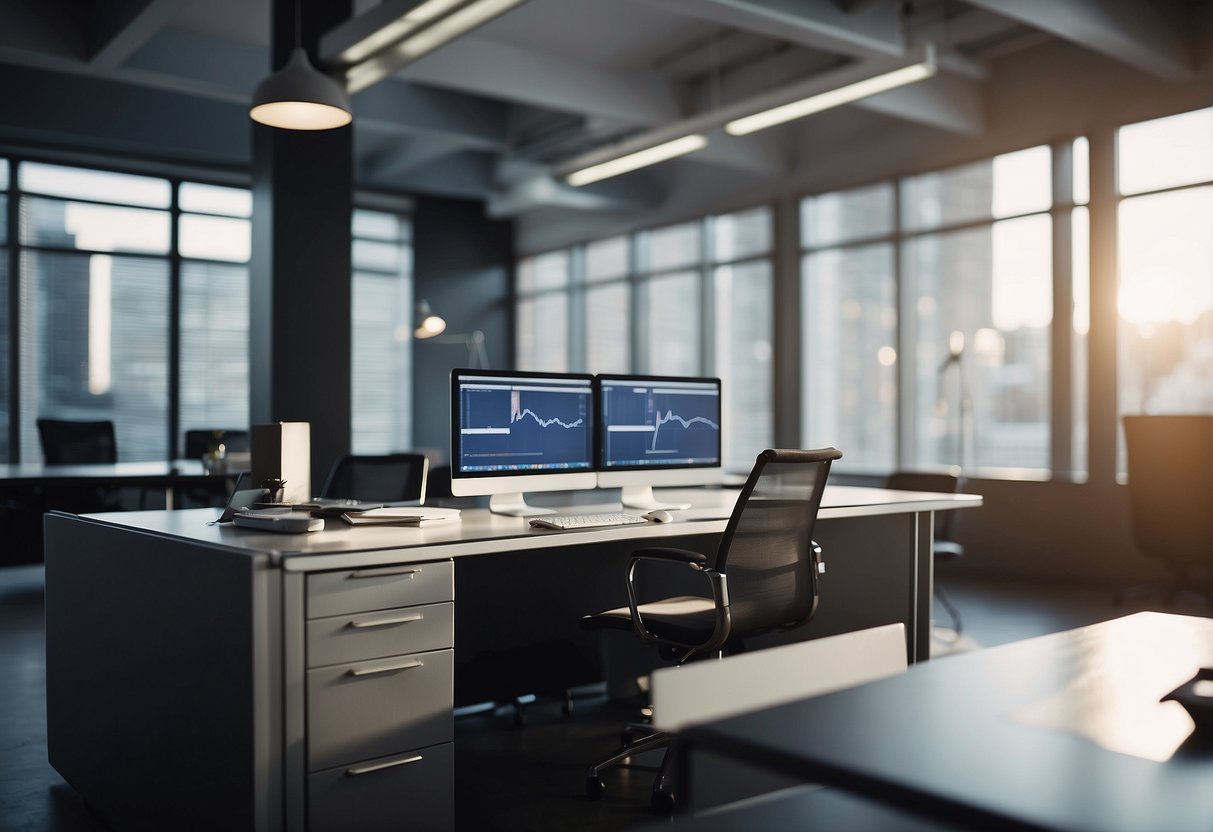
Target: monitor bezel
point(711, 470)
point(488, 483)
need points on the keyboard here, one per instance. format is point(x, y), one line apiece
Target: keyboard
point(566, 522)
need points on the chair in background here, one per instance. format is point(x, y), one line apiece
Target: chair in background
point(67, 442)
point(762, 577)
point(944, 548)
point(199, 441)
point(70, 442)
point(1170, 466)
point(386, 479)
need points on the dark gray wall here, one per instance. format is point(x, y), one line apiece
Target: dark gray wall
point(463, 264)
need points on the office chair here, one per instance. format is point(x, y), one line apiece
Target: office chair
point(69, 442)
point(198, 441)
point(388, 478)
point(1171, 497)
point(943, 547)
point(66, 442)
point(762, 577)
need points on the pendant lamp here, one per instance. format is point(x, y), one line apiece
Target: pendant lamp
point(299, 96)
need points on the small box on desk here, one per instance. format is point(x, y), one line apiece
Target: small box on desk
point(283, 451)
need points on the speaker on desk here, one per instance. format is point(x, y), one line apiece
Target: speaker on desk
point(283, 451)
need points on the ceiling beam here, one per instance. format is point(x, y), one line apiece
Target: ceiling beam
point(946, 101)
point(404, 156)
point(484, 67)
point(118, 28)
point(1135, 33)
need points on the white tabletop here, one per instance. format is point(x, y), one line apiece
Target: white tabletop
point(480, 532)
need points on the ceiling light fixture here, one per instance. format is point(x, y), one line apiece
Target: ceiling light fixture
point(412, 34)
point(299, 96)
point(918, 71)
point(637, 159)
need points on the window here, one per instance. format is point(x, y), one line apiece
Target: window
point(381, 349)
point(105, 281)
point(542, 313)
point(937, 329)
point(690, 299)
point(94, 304)
point(215, 242)
point(1165, 333)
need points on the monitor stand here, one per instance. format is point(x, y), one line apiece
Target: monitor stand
point(642, 497)
point(514, 505)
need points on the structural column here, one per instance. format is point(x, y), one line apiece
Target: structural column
point(299, 322)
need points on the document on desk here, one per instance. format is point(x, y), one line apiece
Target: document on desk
point(401, 516)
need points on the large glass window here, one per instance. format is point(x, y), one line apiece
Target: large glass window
point(382, 333)
point(102, 276)
point(691, 299)
point(542, 313)
point(849, 326)
point(94, 322)
point(1165, 357)
point(743, 340)
point(214, 239)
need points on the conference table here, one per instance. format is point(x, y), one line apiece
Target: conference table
point(1061, 732)
point(208, 676)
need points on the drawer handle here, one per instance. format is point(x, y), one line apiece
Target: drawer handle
point(385, 622)
point(385, 573)
point(367, 769)
point(392, 668)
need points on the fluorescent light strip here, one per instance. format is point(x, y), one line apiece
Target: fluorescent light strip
point(397, 29)
point(639, 159)
point(830, 98)
point(453, 25)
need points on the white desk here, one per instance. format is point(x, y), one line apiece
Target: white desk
point(212, 677)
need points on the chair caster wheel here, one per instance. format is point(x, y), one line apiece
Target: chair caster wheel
point(594, 787)
point(662, 802)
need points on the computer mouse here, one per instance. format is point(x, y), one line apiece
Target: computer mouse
point(659, 515)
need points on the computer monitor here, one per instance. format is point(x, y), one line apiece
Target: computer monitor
point(657, 430)
point(513, 432)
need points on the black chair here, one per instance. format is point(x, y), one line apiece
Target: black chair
point(386, 479)
point(1171, 497)
point(944, 547)
point(67, 442)
point(199, 441)
point(763, 577)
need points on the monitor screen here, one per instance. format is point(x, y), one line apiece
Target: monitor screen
point(657, 430)
point(520, 431)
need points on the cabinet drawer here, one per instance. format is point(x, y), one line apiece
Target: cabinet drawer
point(369, 635)
point(415, 790)
point(379, 588)
point(378, 708)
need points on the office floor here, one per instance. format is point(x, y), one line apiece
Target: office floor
point(507, 778)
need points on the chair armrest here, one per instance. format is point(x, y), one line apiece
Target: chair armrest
point(671, 555)
point(717, 584)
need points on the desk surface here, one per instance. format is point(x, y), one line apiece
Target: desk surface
point(1013, 737)
point(480, 532)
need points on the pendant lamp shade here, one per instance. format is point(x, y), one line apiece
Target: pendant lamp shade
point(300, 97)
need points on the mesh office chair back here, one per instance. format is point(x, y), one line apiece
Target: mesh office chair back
point(385, 479)
point(67, 442)
point(766, 550)
point(1171, 486)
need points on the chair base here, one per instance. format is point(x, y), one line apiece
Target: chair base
point(662, 799)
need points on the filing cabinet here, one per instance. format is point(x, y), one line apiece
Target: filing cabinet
point(380, 697)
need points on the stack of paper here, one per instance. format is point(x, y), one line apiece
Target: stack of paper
point(400, 516)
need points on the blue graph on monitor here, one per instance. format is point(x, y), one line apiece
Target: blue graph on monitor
point(661, 425)
point(525, 428)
